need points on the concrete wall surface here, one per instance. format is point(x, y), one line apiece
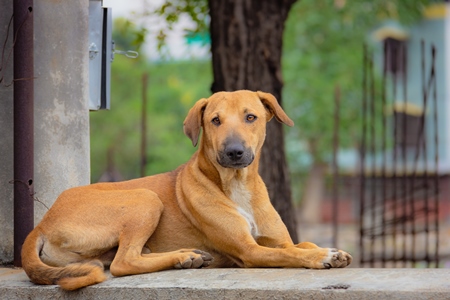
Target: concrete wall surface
point(61, 114)
point(6, 134)
point(217, 284)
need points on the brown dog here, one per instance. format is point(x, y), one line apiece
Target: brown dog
point(216, 203)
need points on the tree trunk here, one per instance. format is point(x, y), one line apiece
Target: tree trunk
point(246, 46)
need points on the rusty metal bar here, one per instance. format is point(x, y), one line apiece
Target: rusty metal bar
point(436, 158)
point(404, 181)
point(373, 179)
point(362, 188)
point(431, 85)
point(425, 167)
point(144, 124)
point(420, 143)
point(337, 100)
point(394, 165)
point(383, 171)
point(23, 125)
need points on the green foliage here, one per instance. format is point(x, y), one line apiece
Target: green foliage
point(172, 89)
point(322, 50)
point(196, 10)
point(128, 36)
point(323, 45)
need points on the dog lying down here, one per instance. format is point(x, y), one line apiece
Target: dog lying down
point(214, 211)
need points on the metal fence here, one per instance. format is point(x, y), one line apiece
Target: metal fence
point(399, 179)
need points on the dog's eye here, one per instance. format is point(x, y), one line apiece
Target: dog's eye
point(251, 118)
point(216, 121)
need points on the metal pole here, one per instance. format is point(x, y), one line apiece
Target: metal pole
point(372, 151)
point(405, 178)
point(395, 168)
point(362, 188)
point(436, 160)
point(23, 125)
point(144, 125)
point(384, 159)
point(337, 100)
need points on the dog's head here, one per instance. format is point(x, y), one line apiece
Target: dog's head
point(234, 125)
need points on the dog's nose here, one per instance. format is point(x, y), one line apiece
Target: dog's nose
point(235, 152)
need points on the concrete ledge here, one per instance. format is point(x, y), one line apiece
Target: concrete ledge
point(247, 284)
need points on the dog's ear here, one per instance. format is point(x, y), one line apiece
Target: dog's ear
point(193, 121)
point(274, 109)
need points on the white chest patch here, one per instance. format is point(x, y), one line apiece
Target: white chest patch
point(242, 197)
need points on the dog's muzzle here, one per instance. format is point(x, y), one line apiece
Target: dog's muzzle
point(235, 155)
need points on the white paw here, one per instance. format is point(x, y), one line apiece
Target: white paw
point(336, 259)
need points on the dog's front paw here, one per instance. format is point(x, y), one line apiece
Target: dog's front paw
point(194, 260)
point(336, 259)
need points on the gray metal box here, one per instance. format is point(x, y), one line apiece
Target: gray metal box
point(100, 55)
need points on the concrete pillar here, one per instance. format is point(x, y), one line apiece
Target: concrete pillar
point(61, 98)
point(61, 114)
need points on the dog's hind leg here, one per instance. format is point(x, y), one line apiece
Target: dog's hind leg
point(139, 223)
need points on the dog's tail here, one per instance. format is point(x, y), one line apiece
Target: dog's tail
point(70, 277)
